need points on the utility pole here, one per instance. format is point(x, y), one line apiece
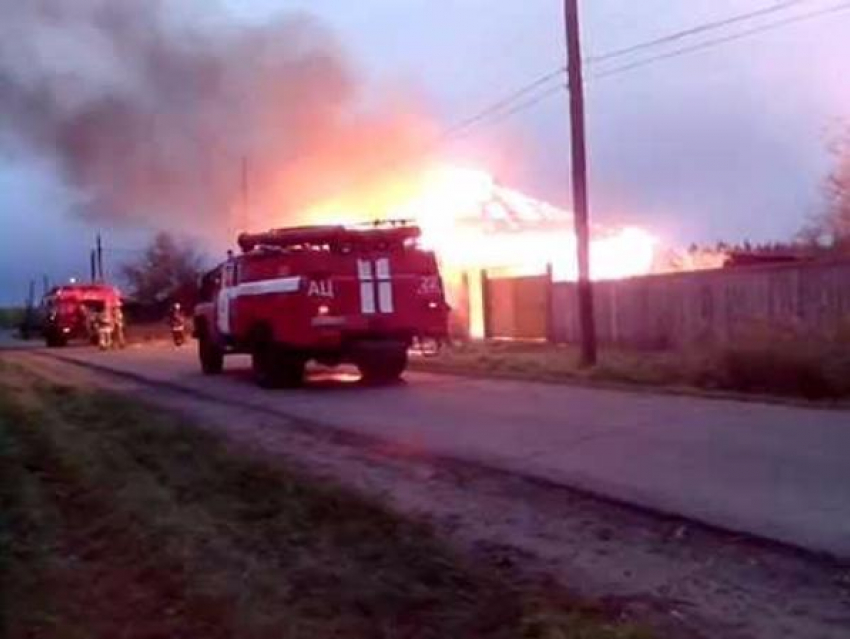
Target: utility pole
point(93, 265)
point(245, 217)
point(579, 184)
point(99, 250)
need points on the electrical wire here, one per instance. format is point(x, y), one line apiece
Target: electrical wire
point(496, 108)
point(507, 106)
point(513, 102)
point(517, 108)
point(695, 30)
point(722, 40)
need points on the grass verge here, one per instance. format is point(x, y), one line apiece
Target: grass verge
point(807, 371)
point(122, 520)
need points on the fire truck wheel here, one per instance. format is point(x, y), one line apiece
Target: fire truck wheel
point(211, 356)
point(56, 341)
point(384, 365)
point(276, 368)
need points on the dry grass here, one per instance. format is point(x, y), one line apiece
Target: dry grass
point(781, 367)
point(121, 520)
point(540, 361)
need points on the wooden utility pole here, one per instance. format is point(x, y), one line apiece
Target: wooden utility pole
point(579, 184)
point(93, 265)
point(245, 217)
point(99, 250)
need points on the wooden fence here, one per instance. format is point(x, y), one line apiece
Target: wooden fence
point(678, 309)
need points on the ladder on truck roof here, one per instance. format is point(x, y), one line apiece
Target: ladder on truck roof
point(390, 231)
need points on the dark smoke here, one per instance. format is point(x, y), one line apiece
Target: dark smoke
point(147, 107)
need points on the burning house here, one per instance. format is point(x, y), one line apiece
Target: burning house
point(474, 225)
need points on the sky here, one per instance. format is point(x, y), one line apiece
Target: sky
point(726, 143)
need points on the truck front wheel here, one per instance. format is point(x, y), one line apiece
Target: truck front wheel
point(55, 340)
point(211, 355)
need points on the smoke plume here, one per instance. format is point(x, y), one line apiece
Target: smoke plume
point(148, 108)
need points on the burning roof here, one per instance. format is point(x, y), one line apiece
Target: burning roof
point(473, 222)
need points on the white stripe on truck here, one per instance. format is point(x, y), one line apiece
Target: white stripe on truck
point(385, 285)
point(368, 284)
point(260, 287)
point(367, 297)
point(382, 268)
point(265, 287)
point(364, 269)
point(367, 289)
point(385, 296)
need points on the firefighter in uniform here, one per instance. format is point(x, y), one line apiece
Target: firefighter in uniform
point(177, 323)
point(118, 319)
point(105, 326)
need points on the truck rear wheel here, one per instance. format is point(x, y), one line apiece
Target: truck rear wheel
point(211, 356)
point(382, 363)
point(274, 367)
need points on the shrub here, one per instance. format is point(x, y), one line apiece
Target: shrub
point(783, 368)
point(11, 317)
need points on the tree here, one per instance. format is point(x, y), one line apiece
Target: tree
point(838, 190)
point(167, 270)
point(831, 229)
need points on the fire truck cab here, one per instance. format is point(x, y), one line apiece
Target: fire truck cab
point(69, 311)
point(332, 294)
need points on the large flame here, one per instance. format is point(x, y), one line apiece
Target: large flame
point(472, 223)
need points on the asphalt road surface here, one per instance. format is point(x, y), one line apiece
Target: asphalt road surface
point(774, 471)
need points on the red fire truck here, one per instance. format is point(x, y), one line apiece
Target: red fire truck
point(69, 311)
point(332, 294)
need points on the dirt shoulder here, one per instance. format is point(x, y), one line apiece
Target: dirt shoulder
point(684, 579)
point(124, 519)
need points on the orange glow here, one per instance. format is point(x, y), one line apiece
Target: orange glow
point(472, 223)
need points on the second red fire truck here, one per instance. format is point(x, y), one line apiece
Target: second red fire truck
point(332, 294)
point(72, 311)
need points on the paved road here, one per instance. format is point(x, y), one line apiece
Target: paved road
point(775, 471)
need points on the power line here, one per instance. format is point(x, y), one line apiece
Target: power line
point(507, 105)
point(494, 109)
point(458, 132)
point(695, 30)
point(521, 106)
point(504, 107)
point(722, 40)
